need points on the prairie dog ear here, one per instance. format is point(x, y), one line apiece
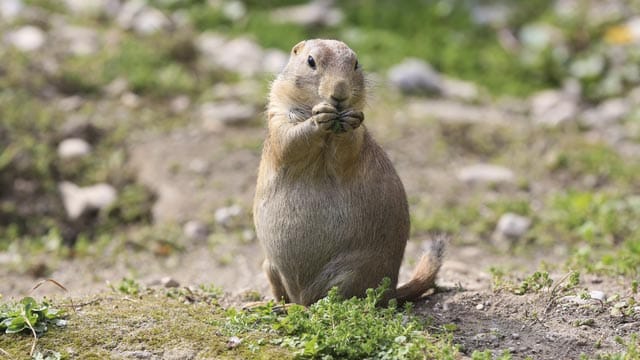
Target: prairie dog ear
point(296, 49)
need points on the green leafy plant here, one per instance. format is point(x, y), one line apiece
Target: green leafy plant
point(536, 282)
point(127, 286)
point(28, 314)
point(346, 329)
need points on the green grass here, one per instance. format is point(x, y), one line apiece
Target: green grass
point(336, 328)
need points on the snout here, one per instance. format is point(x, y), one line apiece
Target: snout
point(337, 92)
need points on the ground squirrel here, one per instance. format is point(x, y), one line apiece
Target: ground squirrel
point(330, 209)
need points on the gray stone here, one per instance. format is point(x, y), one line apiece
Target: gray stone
point(128, 12)
point(274, 61)
point(195, 230)
point(93, 7)
point(314, 13)
point(79, 40)
point(70, 103)
point(460, 90)
point(27, 38)
point(598, 295)
point(77, 200)
point(169, 282)
point(491, 14)
point(151, 20)
point(553, 107)
point(240, 55)
point(10, 9)
point(451, 111)
point(130, 100)
point(179, 104)
point(485, 173)
point(234, 10)
point(227, 113)
point(179, 354)
point(415, 76)
point(233, 342)
point(117, 87)
point(226, 215)
point(606, 113)
point(539, 36)
point(73, 148)
point(512, 225)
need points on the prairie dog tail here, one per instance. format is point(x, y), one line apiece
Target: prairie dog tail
point(424, 275)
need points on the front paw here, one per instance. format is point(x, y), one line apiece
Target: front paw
point(324, 116)
point(352, 118)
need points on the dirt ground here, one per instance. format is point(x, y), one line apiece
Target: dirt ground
point(539, 325)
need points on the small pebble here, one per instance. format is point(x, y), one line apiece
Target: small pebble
point(169, 282)
point(480, 306)
point(233, 342)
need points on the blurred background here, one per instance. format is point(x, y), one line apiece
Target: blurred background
point(130, 132)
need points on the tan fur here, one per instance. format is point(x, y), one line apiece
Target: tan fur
point(329, 208)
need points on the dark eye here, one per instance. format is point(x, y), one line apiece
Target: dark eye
point(356, 66)
point(311, 62)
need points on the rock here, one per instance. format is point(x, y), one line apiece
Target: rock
point(234, 10)
point(608, 112)
point(77, 126)
point(485, 173)
point(415, 77)
point(179, 104)
point(315, 13)
point(247, 90)
point(128, 12)
point(460, 90)
point(597, 295)
point(233, 342)
point(78, 40)
point(150, 21)
point(78, 200)
point(274, 61)
point(73, 148)
point(450, 111)
point(195, 230)
point(539, 36)
point(553, 107)
point(227, 113)
point(198, 166)
point(117, 87)
point(70, 103)
point(480, 306)
point(240, 55)
point(93, 8)
point(10, 9)
point(589, 67)
point(490, 14)
point(130, 100)
point(209, 44)
point(169, 282)
point(179, 354)
point(512, 225)
point(27, 38)
point(144, 20)
point(226, 215)
point(135, 354)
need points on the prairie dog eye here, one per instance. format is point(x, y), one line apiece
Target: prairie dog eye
point(311, 62)
point(357, 65)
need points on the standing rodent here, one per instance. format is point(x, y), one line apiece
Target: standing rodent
point(330, 209)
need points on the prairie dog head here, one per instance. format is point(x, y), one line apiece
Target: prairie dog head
point(320, 71)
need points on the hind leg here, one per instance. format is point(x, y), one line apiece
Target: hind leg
point(277, 287)
point(353, 274)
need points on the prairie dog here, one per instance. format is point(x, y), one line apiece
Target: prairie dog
point(330, 209)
